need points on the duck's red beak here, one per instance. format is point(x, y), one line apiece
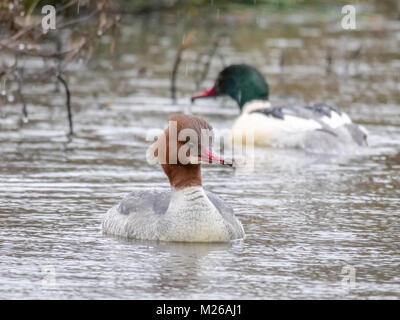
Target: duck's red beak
point(205, 94)
point(209, 157)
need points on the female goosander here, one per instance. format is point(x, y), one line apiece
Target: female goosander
point(283, 126)
point(187, 213)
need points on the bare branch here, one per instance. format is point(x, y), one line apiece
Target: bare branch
point(23, 37)
point(67, 102)
point(21, 96)
point(178, 59)
point(211, 54)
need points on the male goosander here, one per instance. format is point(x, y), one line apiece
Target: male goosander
point(187, 213)
point(297, 126)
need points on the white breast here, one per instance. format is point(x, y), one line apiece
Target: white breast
point(192, 217)
point(189, 217)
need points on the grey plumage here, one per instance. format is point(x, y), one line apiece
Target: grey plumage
point(191, 214)
point(158, 200)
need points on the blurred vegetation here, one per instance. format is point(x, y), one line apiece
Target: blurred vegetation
point(74, 38)
point(222, 4)
point(195, 7)
point(176, 4)
point(88, 28)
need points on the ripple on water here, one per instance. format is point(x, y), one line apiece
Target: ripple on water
point(306, 216)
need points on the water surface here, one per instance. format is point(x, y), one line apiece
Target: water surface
point(308, 217)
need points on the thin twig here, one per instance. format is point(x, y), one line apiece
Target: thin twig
point(77, 21)
point(221, 57)
point(74, 52)
point(21, 96)
point(282, 57)
point(42, 54)
point(67, 102)
point(178, 59)
point(329, 60)
point(211, 54)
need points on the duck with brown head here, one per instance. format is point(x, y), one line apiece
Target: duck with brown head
point(186, 213)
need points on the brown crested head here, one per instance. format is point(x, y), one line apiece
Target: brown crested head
point(182, 147)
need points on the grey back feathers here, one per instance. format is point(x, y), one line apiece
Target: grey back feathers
point(158, 202)
point(331, 119)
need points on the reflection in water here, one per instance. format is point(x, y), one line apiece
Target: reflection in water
point(187, 265)
point(306, 216)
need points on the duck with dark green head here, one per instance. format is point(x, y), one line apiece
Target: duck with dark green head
point(314, 125)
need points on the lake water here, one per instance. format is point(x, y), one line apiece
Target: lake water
point(312, 221)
